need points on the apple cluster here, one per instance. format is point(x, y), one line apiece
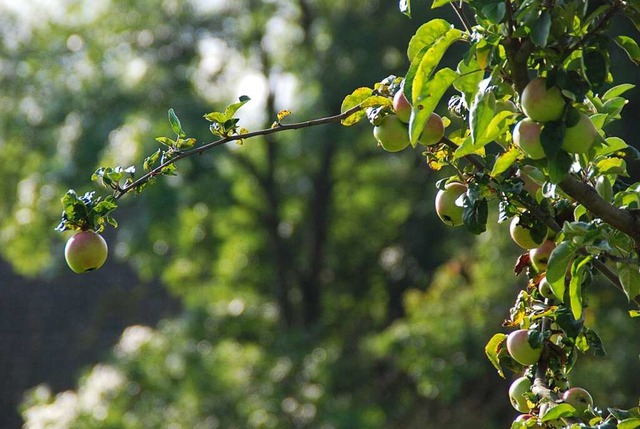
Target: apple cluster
point(392, 132)
point(542, 103)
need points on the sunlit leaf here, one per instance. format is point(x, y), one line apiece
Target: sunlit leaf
point(492, 349)
point(175, 124)
point(427, 96)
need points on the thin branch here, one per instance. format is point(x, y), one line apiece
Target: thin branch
point(208, 146)
point(459, 10)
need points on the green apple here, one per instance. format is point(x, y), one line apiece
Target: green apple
point(544, 287)
point(578, 398)
point(580, 137)
point(392, 134)
point(540, 103)
point(520, 349)
point(85, 251)
point(433, 130)
point(522, 235)
point(518, 388)
point(526, 135)
point(446, 208)
point(401, 106)
point(540, 255)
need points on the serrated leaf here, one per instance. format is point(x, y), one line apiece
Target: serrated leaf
point(427, 96)
point(557, 267)
point(352, 100)
point(505, 160)
point(492, 349)
point(540, 29)
point(630, 279)
point(175, 123)
point(630, 46)
point(426, 35)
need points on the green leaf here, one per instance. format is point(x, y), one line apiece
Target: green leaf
point(405, 7)
point(426, 35)
point(559, 261)
point(540, 29)
point(559, 167)
point(617, 91)
point(233, 108)
point(475, 214)
point(611, 145)
point(551, 138)
point(567, 323)
point(557, 411)
point(631, 423)
point(438, 3)
point(428, 94)
point(352, 100)
point(595, 67)
point(630, 46)
point(175, 124)
point(505, 160)
point(575, 285)
point(613, 165)
point(492, 349)
point(480, 115)
point(595, 343)
point(470, 77)
point(630, 278)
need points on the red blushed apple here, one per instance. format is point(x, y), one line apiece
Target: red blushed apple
point(392, 134)
point(540, 103)
point(578, 398)
point(446, 208)
point(85, 251)
point(433, 130)
point(520, 349)
point(540, 255)
point(401, 106)
point(580, 137)
point(526, 135)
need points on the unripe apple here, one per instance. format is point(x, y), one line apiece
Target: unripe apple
point(540, 255)
point(518, 388)
point(542, 104)
point(85, 251)
point(544, 287)
point(526, 135)
point(578, 398)
point(580, 137)
point(433, 130)
point(446, 208)
point(522, 236)
point(392, 134)
point(401, 106)
point(520, 349)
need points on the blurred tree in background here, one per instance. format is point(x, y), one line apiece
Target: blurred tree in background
point(317, 287)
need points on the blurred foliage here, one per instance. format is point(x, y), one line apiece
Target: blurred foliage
point(306, 262)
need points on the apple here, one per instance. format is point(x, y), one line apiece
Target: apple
point(392, 134)
point(85, 251)
point(578, 398)
point(446, 208)
point(401, 106)
point(545, 289)
point(580, 137)
point(540, 103)
point(502, 105)
point(522, 236)
point(518, 388)
point(540, 255)
point(433, 130)
point(526, 135)
point(520, 349)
